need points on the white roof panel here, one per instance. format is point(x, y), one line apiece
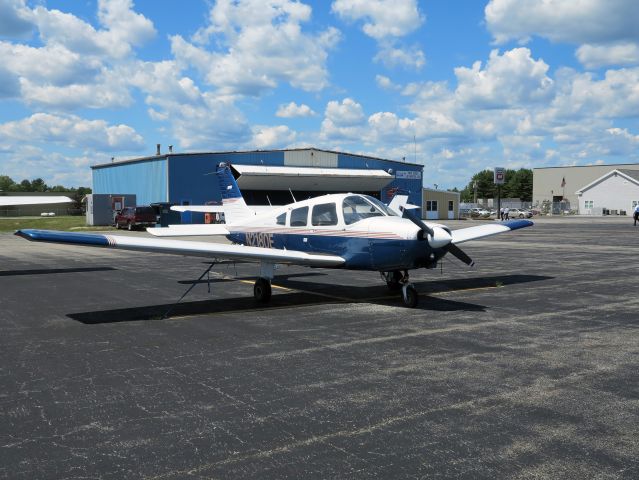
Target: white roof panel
point(260, 177)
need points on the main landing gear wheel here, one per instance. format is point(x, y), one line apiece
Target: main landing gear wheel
point(409, 295)
point(262, 290)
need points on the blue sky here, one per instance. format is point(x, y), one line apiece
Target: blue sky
point(458, 86)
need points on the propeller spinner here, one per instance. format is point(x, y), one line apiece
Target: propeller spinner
point(438, 237)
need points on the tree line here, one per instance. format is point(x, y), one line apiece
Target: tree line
point(517, 184)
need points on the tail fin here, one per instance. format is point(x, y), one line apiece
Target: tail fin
point(235, 208)
point(400, 202)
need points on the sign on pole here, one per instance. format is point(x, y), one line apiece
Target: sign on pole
point(500, 175)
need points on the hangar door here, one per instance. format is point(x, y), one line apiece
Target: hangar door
point(262, 185)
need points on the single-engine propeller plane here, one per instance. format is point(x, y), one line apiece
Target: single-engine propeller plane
point(346, 230)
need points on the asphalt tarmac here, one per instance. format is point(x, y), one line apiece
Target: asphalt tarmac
point(525, 367)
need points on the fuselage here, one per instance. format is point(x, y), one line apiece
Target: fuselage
point(355, 227)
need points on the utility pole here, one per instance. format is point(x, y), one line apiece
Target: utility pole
point(475, 192)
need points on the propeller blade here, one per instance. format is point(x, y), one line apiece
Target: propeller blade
point(417, 221)
point(459, 253)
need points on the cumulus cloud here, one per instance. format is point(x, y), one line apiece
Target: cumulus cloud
point(386, 21)
point(14, 19)
point(343, 120)
point(278, 136)
point(392, 56)
point(292, 110)
point(386, 83)
point(198, 119)
point(258, 45)
point(595, 24)
point(124, 29)
point(583, 95)
point(382, 18)
point(594, 21)
point(348, 112)
point(595, 56)
point(75, 67)
point(507, 80)
point(72, 131)
point(9, 84)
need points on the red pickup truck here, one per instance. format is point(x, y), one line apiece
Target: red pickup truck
point(135, 217)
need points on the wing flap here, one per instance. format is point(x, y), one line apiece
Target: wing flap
point(473, 233)
point(183, 247)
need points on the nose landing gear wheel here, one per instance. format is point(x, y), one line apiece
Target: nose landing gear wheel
point(409, 295)
point(262, 290)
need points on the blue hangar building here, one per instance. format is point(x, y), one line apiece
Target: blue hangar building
point(264, 176)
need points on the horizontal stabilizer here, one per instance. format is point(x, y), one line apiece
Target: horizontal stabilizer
point(188, 230)
point(198, 208)
point(399, 203)
point(480, 231)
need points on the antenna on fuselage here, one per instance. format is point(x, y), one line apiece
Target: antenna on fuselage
point(291, 192)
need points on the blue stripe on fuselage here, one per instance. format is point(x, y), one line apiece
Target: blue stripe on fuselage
point(359, 253)
point(63, 237)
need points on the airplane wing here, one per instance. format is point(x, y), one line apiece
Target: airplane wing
point(6, 201)
point(473, 233)
point(182, 247)
point(184, 230)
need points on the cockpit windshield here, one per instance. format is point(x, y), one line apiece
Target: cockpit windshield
point(359, 207)
point(383, 207)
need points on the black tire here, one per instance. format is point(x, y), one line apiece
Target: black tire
point(411, 298)
point(262, 290)
point(521, 215)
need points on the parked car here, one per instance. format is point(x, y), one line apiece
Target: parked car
point(479, 212)
point(519, 213)
point(135, 217)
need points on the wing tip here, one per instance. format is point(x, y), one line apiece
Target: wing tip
point(517, 224)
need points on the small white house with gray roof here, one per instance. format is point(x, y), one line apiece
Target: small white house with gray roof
point(616, 192)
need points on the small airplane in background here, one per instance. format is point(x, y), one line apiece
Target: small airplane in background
point(347, 231)
point(6, 201)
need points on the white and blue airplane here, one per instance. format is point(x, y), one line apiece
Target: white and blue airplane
point(344, 231)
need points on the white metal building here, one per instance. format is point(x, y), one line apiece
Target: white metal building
point(563, 183)
point(616, 191)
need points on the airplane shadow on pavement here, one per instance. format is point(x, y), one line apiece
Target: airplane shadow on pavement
point(294, 292)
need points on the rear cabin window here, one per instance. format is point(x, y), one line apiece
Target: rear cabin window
point(299, 217)
point(281, 219)
point(355, 208)
point(324, 214)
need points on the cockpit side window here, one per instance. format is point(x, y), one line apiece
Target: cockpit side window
point(281, 219)
point(355, 208)
point(299, 217)
point(324, 214)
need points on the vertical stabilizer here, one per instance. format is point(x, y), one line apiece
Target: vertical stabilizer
point(235, 208)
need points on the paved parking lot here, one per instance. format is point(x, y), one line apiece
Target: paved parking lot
point(525, 367)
